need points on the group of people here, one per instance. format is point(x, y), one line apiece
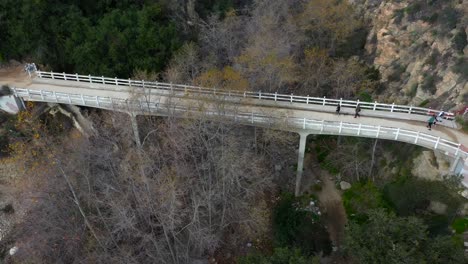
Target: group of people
point(431, 122)
point(434, 119)
point(356, 113)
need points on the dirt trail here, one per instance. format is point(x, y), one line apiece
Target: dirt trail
point(331, 204)
point(334, 212)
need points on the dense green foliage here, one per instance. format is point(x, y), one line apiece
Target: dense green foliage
point(398, 225)
point(112, 38)
point(410, 196)
point(279, 256)
point(460, 225)
point(295, 227)
point(360, 199)
point(386, 238)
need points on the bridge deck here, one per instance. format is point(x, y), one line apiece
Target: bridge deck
point(15, 77)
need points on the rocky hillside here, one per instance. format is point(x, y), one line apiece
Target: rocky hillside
point(419, 47)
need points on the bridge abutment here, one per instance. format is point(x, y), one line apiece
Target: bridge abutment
point(300, 161)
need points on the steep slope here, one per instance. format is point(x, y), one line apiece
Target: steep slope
point(419, 47)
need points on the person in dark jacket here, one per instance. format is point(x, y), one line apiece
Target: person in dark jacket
point(431, 121)
point(338, 108)
point(358, 109)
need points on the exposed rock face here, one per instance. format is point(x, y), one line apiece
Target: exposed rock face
point(419, 47)
point(431, 166)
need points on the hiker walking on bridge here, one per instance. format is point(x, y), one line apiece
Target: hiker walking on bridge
point(338, 108)
point(358, 109)
point(440, 115)
point(431, 121)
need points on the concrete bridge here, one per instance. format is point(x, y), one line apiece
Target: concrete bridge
point(302, 114)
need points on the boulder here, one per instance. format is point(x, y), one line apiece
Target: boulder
point(345, 185)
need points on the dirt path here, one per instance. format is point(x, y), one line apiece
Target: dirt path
point(331, 204)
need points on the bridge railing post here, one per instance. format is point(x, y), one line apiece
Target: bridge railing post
point(42, 95)
point(116, 81)
point(410, 109)
point(340, 128)
point(437, 143)
point(252, 115)
point(375, 106)
point(378, 132)
point(359, 129)
point(307, 99)
point(103, 81)
point(417, 137)
point(393, 106)
point(69, 99)
point(89, 77)
point(52, 74)
point(304, 124)
point(458, 149)
point(276, 95)
point(260, 95)
point(76, 77)
point(397, 133)
point(64, 76)
point(55, 96)
point(291, 96)
point(324, 101)
point(82, 99)
point(322, 126)
point(112, 103)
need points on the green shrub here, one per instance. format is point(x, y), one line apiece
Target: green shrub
point(424, 103)
point(413, 90)
point(461, 67)
point(449, 17)
point(462, 122)
point(372, 73)
point(431, 19)
point(460, 225)
point(413, 8)
point(365, 97)
point(412, 196)
point(398, 15)
point(360, 198)
point(429, 83)
point(433, 58)
point(295, 227)
point(398, 70)
point(459, 41)
point(280, 255)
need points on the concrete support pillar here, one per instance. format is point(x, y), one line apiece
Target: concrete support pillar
point(457, 165)
point(136, 133)
point(300, 161)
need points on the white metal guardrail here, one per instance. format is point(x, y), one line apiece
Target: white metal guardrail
point(188, 89)
point(317, 126)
